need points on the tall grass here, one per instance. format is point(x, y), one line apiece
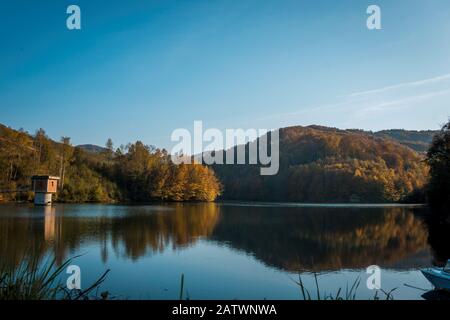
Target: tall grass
point(30, 281)
point(349, 294)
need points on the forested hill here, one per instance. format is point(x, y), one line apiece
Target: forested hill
point(321, 164)
point(317, 164)
point(133, 173)
point(416, 140)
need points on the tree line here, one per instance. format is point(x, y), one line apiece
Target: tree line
point(317, 164)
point(135, 172)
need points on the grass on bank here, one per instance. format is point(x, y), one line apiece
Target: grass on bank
point(349, 294)
point(30, 282)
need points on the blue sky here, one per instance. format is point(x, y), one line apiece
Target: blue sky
point(140, 69)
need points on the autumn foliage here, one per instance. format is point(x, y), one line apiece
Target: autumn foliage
point(135, 172)
point(320, 164)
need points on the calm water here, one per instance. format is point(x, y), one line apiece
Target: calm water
point(225, 251)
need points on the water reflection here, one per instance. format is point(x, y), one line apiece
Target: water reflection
point(439, 239)
point(133, 232)
point(319, 239)
point(287, 238)
point(436, 295)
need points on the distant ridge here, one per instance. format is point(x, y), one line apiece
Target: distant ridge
point(92, 148)
point(416, 140)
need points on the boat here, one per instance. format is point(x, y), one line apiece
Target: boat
point(439, 277)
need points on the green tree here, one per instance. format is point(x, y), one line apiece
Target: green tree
point(66, 153)
point(109, 148)
point(438, 159)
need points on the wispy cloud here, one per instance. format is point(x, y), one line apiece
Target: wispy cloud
point(402, 85)
point(385, 105)
point(365, 106)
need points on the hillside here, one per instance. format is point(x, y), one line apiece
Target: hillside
point(416, 140)
point(320, 164)
point(317, 164)
point(138, 173)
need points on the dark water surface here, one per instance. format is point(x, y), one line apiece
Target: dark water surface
point(225, 251)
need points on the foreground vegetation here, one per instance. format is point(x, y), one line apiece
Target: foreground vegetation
point(350, 292)
point(33, 282)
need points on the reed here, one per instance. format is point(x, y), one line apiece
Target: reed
point(349, 294)
point(30, 281)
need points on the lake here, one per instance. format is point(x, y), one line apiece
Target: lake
point(225, 250)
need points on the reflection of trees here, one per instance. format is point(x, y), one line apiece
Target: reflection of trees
point(439, 238)
point(322, 239)
point(138, 230)
point(288, 238)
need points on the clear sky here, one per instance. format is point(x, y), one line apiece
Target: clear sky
point(140, 69)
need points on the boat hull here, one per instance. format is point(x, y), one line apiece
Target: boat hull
point(439, 279)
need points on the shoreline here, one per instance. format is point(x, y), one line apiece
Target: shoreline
point(247, 203)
